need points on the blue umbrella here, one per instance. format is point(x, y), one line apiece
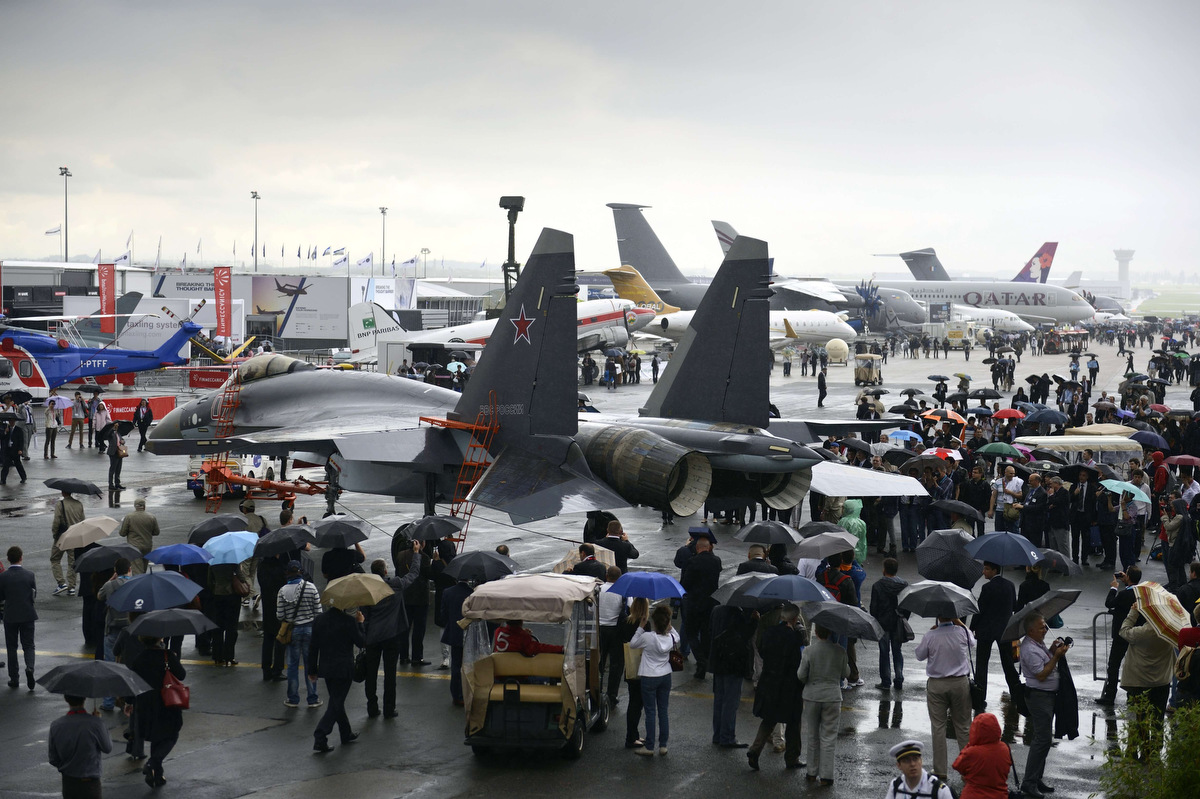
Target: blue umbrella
point(179, 555)
point(979, 411)
point(907, 435)
point(1122, 487)
point(1047, 416)
point(1151, 439)
point(790, 588)
point(1004, 549)
point(651, 585)
point(1124, 414)
point(232, 547)
point(153, 591)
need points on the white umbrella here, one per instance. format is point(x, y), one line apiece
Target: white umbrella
point(87, 532)
point(62, 403)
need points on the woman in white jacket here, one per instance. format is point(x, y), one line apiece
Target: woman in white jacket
point(656, 640)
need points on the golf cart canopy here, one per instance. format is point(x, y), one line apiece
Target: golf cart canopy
point(547, 598)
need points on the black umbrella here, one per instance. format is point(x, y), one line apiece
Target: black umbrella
point(930, 598)
point(734, 592)
point(613, 352)
point(942, 557)
point(104, 556)
point(1043, 454)
point(856, 444)
point(1071, 473)
point(816, 527)
point(1047, 416)
point(876, 392)
point(898, 457)
point(285, 539)
point(938, 377)
point(768, 532)
point(985, 394)
point(480, 566)
point(434, 528)
point(1051, 603)
point(923, 460)
point(217, 525)
point(336, 532)
point(1055, 562)
point(912, 392)
point(903, 407)
point(844, 620)
point(1042, 466)
point(18, 396)
point(153, 591)
point(989, 361)
point(1138, 424)
point(89, 388)
point(958, 396)
point(961, 508)
point(827, 454)
point(171, 621)
point(1107, 472)
point(1032, 378)
point(73, 485)
point(93, 678)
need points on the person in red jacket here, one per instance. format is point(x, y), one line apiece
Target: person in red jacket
point(986, 761)
point(513, 637)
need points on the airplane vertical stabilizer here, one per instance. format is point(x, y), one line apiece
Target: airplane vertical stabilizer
point(639, 247)
point(719, 372)
point(1037, 269)
point(530, 358)
point(924, 264)
point(370, 323)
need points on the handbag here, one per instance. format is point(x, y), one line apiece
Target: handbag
point(121, 451)
point(904, 630)
point(977, 696)
point(173, 692)
point(284, 636)
point(675, 658)
point(1014, 793)
point(239, 585)
point(633, 661)
point(360, 666)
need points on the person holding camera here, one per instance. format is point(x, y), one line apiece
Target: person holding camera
point(1039, 666)
point(1119, 601)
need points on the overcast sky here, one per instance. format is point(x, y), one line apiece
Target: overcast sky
point(834, 130)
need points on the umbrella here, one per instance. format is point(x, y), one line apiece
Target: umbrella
point(923, 460)
point(62, 403)
point(957, 396)
point(603, 554)
point(285, 539)
point(822, 545)
point(1158, 381)
point(1071, 473)
point(734, 592)
point(876, 392)
point(435, 528)
point(1150, 440)
point(898, 457)
point(340, 531)
point(1138, 424)
point(939, 377)
point(105, 556)
point(963, 376)
point(988, 361)
point(1154, 406)
point(221, 523)
point(911, 392)
point(93, 678)
point(979, 411)
point(1056, 562)
point(1004, 549)
point(170, 622)
point(930, 598)
point(1051, 603)
point(961, 508)
point(73, 485)
point(1184, 460)
point(455, 366)
point(945, 453)
point(1032, 378)
point(768, 532)
point(88, 531)
point(906, 435)
point(789, 588)
point(89, 388)
point(1008, 413)
point(1043, 454)
point(480, 566)
point(153, 591)
point(1047, 416)
point(614, 352)
point(856, 444)
point(651, 585)
point(179, 555)
point(17, 396)
point(845, 620)
point(1124, 414)
point(942, 556)
point(356, 590)
point(902, 408)
point(1042, 466)
point(944, 415)
point(231, 547)
point(1105, 405)
point(985, 394)
point(812, 528)
point(999, 449)
point(1162, 610)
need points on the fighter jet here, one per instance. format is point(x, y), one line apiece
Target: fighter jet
point(291, 289)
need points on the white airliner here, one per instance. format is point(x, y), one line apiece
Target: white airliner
point(1000, 321)
point(1033, 302)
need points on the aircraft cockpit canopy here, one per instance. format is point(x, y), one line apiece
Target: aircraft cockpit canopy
point(269, 365)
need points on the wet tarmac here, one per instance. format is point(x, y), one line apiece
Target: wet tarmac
point(239, 740)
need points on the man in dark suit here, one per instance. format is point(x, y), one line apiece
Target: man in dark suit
point(1120, 601)
point(996, 601)
point(822, 390)
point(756, 562)
point(701, 573)
point(331, 655)
point(619, 543)
point(18, 588)
point(588, 566)
point(452, 635)
point(12, 450)
point(1034, 511)
point(1083, 516)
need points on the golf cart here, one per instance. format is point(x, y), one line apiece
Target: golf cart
point(868, 369)
point(549, 700)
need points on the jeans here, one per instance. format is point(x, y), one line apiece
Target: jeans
point(908, 527)
point(656, 692)
point(890, 643)
point(1127, 548)
point(727, 693)
point(297, 650)
point(1041, 724)
point(1108, 539)
point(633, 714)
point(820, 730)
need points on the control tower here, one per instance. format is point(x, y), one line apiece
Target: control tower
point(1123, 259)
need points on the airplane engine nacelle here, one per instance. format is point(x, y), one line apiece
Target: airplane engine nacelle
point(786, 490)
point(670, 325)
point(645, 468)
point(604, 338)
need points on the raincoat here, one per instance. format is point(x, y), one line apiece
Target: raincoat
point(853, 524)
point(986, 761)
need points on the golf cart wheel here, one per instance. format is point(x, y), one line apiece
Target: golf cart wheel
point(480, 751)
point(198, 493)
point(573, 748)
point(601, 723)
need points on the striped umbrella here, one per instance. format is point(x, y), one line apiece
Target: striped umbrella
point(1162, 610)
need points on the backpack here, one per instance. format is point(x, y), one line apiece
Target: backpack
point(935, 788)
point(1187, 670)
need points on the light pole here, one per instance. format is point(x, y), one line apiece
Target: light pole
point(254, 196)
point(383, 249)
point(425, 255)
point(66, 173)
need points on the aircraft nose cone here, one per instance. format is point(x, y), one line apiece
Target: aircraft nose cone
point(168, 426)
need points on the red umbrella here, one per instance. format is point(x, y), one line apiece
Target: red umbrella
point(944, 415)
point(944, 453)
point(1184, 460)
point(1008, 413)
point(1160, 408)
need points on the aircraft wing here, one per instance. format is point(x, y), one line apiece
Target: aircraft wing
point(529, 485)
point(843, 480)
point(807, 430)
point(821, 290)
point(344, 434)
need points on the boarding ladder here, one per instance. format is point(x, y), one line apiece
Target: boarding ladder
point(476, 460)
point(223, 423)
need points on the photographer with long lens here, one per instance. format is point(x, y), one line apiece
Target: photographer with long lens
point(1039, 666)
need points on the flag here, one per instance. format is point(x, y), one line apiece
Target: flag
point(265, 251)
point(281, 246)
point(129, 240)
point(339, 251)
point(393, 266)
point(124, 259)
point(96, 260)
point(410, 262)
point(481, 266)
point(326, 251)
point(158, 255)
point(297, 252)
point(54, 231)
point(234, 248)
point(201, 241)
point(340, 261)
point(368, 261)
point(183, 263)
